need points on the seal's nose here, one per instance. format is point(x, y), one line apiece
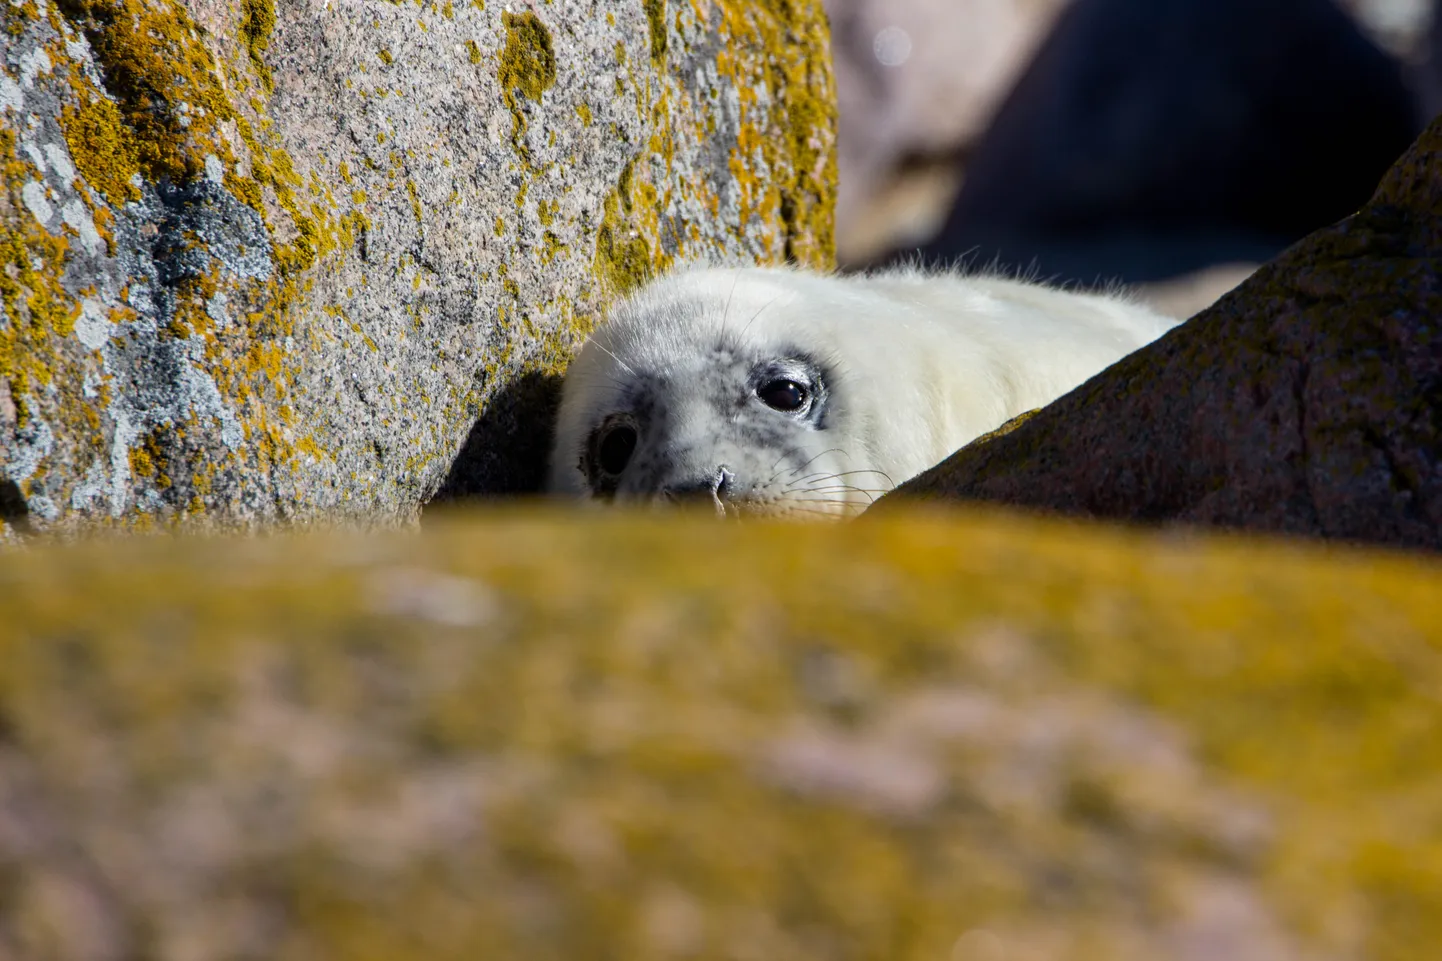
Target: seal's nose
point(715, 489)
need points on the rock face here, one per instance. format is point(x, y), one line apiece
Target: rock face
point(621, 737)
point(268, 263)
point(1307, 401)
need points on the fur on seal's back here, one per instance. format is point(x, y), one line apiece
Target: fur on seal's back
point(916, 365)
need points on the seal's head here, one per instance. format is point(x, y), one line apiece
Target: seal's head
point(776, 391)
point(717, 387)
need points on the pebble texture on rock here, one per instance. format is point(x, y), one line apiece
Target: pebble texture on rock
point(959, 737)
point(271, 263)
point(1307, 401)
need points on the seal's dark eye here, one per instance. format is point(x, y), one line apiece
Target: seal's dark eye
point(784, 395)
point(616, 447)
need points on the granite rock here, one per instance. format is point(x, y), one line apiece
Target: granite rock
point(1306, 401)
point(269, 263)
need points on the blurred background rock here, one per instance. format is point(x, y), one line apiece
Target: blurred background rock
point(1170, 144)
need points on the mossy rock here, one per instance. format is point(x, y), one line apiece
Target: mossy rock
point(267, 263)
point(1306, 401)
point(965, 736)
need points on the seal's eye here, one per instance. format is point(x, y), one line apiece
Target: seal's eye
point(783, 395)
point(614, 451)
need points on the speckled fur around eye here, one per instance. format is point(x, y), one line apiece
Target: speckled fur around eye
point(901, 368)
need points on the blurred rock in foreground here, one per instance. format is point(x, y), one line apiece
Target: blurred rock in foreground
point(1307, 401)
point(955, 736)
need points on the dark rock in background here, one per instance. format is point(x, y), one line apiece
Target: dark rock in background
point(1154, 137)
point(917, 82)
point(1430, 82)
point(1307, 401)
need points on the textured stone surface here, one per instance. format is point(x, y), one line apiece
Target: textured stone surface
point(1307, 401)
point(271, 263)
point(944, 737)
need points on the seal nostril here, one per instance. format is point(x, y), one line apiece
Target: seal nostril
point(715, 489)
point(724, 481)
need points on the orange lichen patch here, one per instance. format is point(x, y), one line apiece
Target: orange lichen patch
point(148, 459)
point(105, 226)
point(796, 143)
point(256, 24)
point(101, 145)
point(527, 69)
point(415, 198)
point(656, 22)
point(166, 84)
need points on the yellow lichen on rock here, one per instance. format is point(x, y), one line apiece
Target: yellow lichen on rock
point(39, 313)
point(797, 165)
point(527, 68)
point(102, 146)
point(155, 63)
point(539, 737)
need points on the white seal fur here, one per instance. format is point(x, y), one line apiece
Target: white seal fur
point(785, 392)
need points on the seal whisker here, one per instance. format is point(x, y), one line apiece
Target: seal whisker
point(776, 467)
point(869, 495)
point(792, 452)
point(882, 473)
point(625, 366)
point(839, 489)
point(816, 481)
point(833, 450)
point(726, 310)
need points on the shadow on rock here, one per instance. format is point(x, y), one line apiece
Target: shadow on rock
point(13, 510)
point(505, 453)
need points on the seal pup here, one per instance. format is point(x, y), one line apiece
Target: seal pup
point(783, 392)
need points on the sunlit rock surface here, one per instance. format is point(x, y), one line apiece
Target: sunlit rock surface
point(271, 262)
